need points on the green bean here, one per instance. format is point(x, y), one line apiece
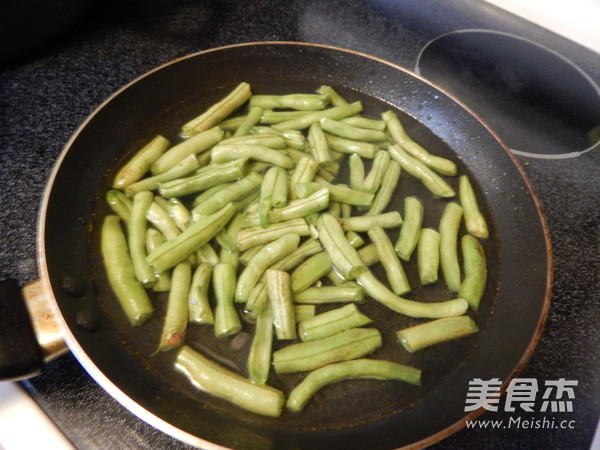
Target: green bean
point(334, 98)
point(337, 193)
point(120, 204)
point(259, 358)
point(352, 132)
point(389, 259)
point(379, 292)
point(154, 238)
point(227, 320)
point(436, 331)
point(253, 117)
point(281, 191)
point(473, 284)
point(136, 237)
point(310, 271)
point(138, 165)
point(176, 319)
point(428, 255)
point(230, 152)
point(192, 146)
point(399, 135)
point(228, 257)
point(305, 250)
point(219, 111)
point(305, 171)
point(368, 255)
point(409, 233)
point(364, 122)
point(387, 188)
point(432, 181)
point(179, 212)
point(282, 304)
point(119, 270)
point(205, 178)
point(197, 234)
point(474, 220)
point(449, 225)
point(231, 193)
point(318, 145)
point(199, 309)
point(183, 168)
point(227, 237)
point(306, 120)
point(271, 140)
point(332, 322)
point(391, 219)
point(335, 208)
point(268, 255)
point(375, 176)
point(300, 102)
point(258, 299)
point(249, 237)
point(266, 195)
point(330, 294)
point(247, 255)
point(343, 255)
point(293, 138)
point(275, 117)
point(346, 345)
point(161, 219)
point(349, 146)
point(304, 312)
point(349, 370)
point(206, 253)
point(220, 382)
point(231, 124)
point(357, 172)
point(209, 193)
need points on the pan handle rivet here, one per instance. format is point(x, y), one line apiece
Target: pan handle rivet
point(87, 319)
point(73, 285)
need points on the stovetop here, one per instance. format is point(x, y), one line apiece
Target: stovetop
point(45, 95)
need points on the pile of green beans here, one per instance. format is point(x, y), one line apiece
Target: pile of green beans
point(244, 221)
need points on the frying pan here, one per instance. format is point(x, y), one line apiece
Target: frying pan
point(356, 414)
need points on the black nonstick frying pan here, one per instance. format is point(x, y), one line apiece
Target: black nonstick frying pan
point(353, 414)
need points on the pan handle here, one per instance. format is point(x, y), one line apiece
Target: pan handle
point(29, 332)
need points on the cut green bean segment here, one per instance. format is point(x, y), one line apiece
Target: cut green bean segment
point(389, 259)
point(160, 218)
point(197, 234)
point(343, 255)
point(266, 195)
point(436, 331)
point(234, 192)
point(293, 138)
point(219, 111)
point(253, 117)
point(379, 292)
point(268, 255)
point(474, 263)
point(318, 145)
point(252, 236)
point(179, 212)
point(182, 169)
point(348, 131)
point(206, 253)
point(120, 204)
point(346, 345)
point(334, 98)
point(349, 146)
point(304, 312)
point(205, 178)
point(357, 172)
point(209, 193)
point(391, 219)
point(300, 102)
point(305, 250)
point(199, 308)
point(119, 270)
point(295, 209)
point(223, 383)
point(364, 122)
point(449, 226)
point(154, 238)
point(192, 146)
point(261, 349)
point(387, 188)
point(332, 322)
point(282, 304)
point(330, 294)
point(337, 193)
point(431, 180)
point(230, 152)
point(310, 271)
point(273, 117)
point(399, 135)
point(306, 120)
point(258, 300)
point(270, 140)
point(374, 178)
point(411, 228)
point(136, 237)
point(227, 319)
point(428, 255)
point(349, 370)
point(474, 220)
point(305, 171)
point(138, 165)
point(176, 319)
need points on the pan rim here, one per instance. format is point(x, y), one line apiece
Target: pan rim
point(180, 434)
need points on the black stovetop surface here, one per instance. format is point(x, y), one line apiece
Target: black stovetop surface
point(45, 95)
